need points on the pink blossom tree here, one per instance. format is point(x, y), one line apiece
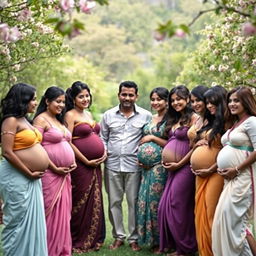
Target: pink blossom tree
point(33, 30)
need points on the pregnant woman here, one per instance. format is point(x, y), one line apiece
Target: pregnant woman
point(153, 174)
point(87, 222)
point(203, 160)
point(176, 207)
point(56, 181)
point(231, 232)
point(25, 162)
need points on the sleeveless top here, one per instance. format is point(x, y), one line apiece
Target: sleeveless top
point(26, 138)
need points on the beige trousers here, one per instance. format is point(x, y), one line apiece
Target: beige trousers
point(117, 184)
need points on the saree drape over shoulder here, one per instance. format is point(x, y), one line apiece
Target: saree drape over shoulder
point(87, 221)
point(234, 212)
point(57, 191)
point(208, 190)
point(24, 230)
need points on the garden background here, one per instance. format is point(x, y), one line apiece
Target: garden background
point(153, 42)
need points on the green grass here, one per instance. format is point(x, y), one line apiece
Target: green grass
point(104, 251)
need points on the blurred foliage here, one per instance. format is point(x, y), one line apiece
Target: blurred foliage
point(226, 56)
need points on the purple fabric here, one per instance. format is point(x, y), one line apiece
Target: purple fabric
point(176, 207)
point(87, 222)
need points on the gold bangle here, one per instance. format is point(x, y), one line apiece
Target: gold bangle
point(237, 171)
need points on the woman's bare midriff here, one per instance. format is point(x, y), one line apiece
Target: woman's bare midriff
point(35, 157)
point(169, 156)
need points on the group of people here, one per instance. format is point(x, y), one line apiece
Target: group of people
point(187, 171)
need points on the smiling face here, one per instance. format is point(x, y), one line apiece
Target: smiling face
point(56, 106)
point(32, 105)
point(197, 105)
point(211, 107)
point(178, 103)
point(235, 105)
point(82, 100)
point(127, 98)
point(157, 103)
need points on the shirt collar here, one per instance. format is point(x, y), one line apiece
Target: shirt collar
point(136, 110)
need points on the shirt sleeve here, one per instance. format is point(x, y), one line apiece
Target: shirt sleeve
point(250, 128)
point(104, 131)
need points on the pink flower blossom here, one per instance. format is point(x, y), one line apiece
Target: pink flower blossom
point(75, 32)
point(4, 32)
point(180, 33)
point(24, 15)
point(14, 34)
point(66, 5)
point(249, 29)
point(86, 6)
point(159, 36)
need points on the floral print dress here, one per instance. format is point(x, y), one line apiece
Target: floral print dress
point(152, 185)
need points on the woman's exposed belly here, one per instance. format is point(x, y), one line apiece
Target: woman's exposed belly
point(35, 157)
point(203, 157)
point(170, 156)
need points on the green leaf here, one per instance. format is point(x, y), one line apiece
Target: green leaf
point(77, 24)
point(102, 2)
point(53, 20)
point(238, 65)
point(185, 28)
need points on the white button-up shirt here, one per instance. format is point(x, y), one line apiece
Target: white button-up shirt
point(121, 136)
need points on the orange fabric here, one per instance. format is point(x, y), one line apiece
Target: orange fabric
point(208, 191)
point(26, 138)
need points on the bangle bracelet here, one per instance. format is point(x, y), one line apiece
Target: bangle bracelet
point(237, 171)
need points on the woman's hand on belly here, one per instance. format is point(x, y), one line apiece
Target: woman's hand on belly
point(98, 161)
point(228, 173)
point(36, 175)
point(171, 166)
point(62, 170)
point(203, 173)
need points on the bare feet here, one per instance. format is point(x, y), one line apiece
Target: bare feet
point(134, 246)
point(116, 244)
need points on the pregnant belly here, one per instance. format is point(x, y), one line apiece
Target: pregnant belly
point(229, 157)
point(35, 157)
point(61, 154)
point(203, 157)
point(91, 147)
point(149, 153)
point(174, 151)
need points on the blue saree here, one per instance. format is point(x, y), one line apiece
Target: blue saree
point(24, 230)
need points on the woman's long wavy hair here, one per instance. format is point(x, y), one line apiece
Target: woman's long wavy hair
point(216, 96)
point(51, 94)
point(163, 94)
point(245, 96)
point(174, 117)
point(15, 103)
point(73, 91)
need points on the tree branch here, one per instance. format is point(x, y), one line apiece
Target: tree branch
point(200, 14)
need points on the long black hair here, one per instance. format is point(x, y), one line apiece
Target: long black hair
point(163, 94)
point(173, 117)
point(199, 92)
point(216, 96)
point(15, 103)
point(50, 95)
point(73, 91)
